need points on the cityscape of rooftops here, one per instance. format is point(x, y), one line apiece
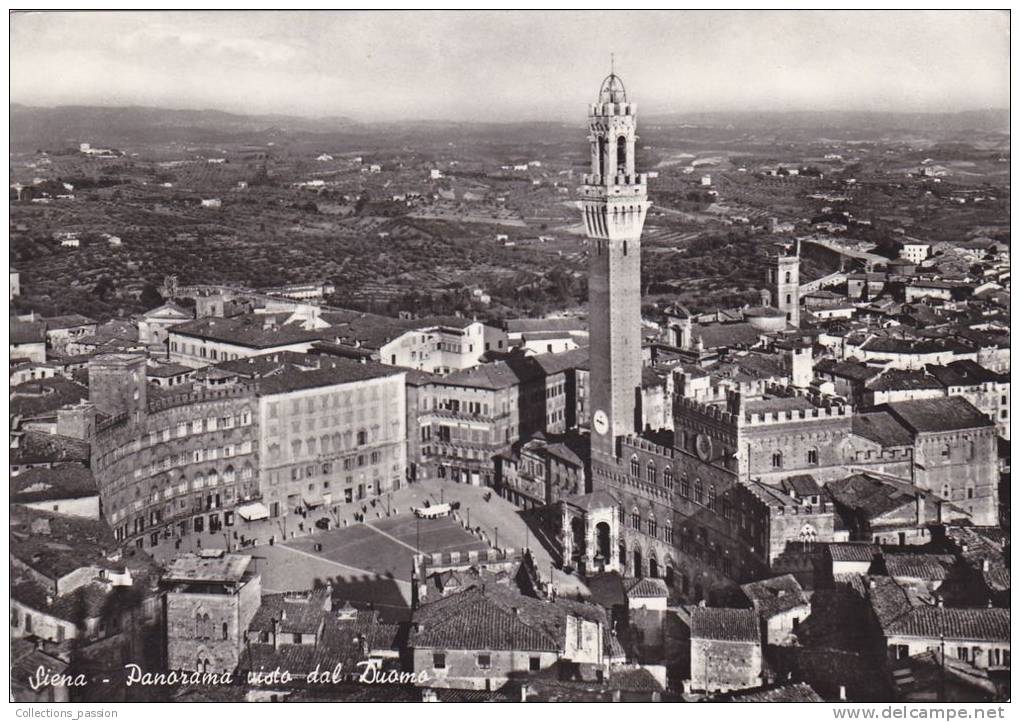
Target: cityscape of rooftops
point(510, 356)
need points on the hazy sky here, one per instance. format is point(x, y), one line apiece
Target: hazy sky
point(511, 65)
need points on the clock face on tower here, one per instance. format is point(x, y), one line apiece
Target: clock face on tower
point(600, 421)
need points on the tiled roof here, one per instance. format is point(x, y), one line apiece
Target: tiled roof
point(67, 481)
point(930, 567)
point(55, 323)
point(56, 544)
point(648, 587)
point(853, 370)
point(222, 568)
point(964, 373)
point(728, 335)
point(493, 377)
point(951, 413)
point(540, 325)
point(295, 613)
point(903, 380)
point(776, 595)
point(41, 396)
point(802, 485)
point(23, 332)
point(633, 679)
point(336, 371)
point(167, 370)
point(495, 617)
point(38, 447)
point(90, 601)
point(795, 692)
point(873, 496)
point(852, 551)
point(980, 623)
point(882, 428)
point(889, 601)
point(731, 625)
point(250, 330)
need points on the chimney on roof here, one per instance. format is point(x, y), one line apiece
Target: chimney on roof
point(921, 513)
point(871, 584)
point(985, 565)
point(276, 633)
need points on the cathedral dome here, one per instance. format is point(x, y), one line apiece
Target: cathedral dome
point(612, 90)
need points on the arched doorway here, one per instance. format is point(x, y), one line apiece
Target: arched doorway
point(638, 566)
point(669, 575)
point(653, 567)
point(623, 558)
point(603, 549)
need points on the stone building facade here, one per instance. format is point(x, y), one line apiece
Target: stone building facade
point(181, 468)
point(210, 601)
point(331, 435)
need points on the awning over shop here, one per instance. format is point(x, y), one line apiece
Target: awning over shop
point(312, 502)
point(253, 512)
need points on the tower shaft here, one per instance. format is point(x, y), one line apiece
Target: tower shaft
point(614, 202)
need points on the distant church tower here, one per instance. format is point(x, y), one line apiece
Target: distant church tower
point(614, 200)
point(782, 277)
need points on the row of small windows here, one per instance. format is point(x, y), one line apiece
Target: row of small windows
point(182, 430)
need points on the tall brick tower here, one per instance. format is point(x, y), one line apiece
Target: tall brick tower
point(614, 200)
point(782, 276)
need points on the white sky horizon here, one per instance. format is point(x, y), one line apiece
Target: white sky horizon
point(496, 66)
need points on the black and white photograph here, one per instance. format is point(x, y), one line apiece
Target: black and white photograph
point(533, 356)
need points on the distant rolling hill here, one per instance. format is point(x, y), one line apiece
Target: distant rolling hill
point(988, 121)
point(69, 125)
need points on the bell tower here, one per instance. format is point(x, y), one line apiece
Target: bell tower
point(614, 199)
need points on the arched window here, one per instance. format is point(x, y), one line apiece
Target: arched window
point(228, 475)
point(224, 630)
point(667, 478)
point(199, 481)
point(650, 473)
point(787, 277)
point(812, 456)
point(635, 467)
point(653, 527)
point(635, 519)
point(777, 459)
point(685, 486)
point(947, 491)
point(602, 157)
point(621, 155)
point(213, 478)
point(699, 491)
point(711, 497)
point(667, 532)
